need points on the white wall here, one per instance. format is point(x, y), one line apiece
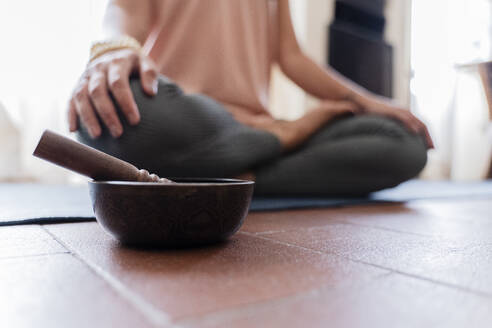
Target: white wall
point(45, 50)
point(287, 101)
point(397, 33)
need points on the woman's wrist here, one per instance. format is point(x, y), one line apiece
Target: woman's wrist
point(362, 98)
point(368, 101)
point(100, 48)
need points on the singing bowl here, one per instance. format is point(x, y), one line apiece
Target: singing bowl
point(190, 212)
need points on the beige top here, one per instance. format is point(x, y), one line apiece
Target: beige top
point(221, 48)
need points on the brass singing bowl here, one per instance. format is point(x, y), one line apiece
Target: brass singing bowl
point(190, 212)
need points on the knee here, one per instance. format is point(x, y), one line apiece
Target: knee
point(408, 150)
point(166, 99)
point(140, 141)
point(408, 158)
point(403, 153)
point(168, 92)
point(166, 89)
point(171, 123)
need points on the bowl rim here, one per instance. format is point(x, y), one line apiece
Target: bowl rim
point(180, 182)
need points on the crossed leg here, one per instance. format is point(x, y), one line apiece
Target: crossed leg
point(350, 156)
point(191, 135)
point(186, 135)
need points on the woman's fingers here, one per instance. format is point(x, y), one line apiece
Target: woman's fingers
point(408, 120)
point(148, 76)
point(98, 92)
point(85, 110)
point(428, 138)
point(416, 126)
point(119, 85)
point(72, 116)
point(423, 130)
point(105, 76)
point(419, 128)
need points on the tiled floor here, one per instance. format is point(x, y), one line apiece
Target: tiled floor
point(422, 264)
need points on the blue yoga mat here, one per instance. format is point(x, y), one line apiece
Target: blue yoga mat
point(39, 204)
point(411, 190)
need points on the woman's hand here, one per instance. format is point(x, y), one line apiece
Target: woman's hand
point(110, 74)
point(387, 108)
point(292, 134)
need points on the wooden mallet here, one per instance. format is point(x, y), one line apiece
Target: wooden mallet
point(88, 161)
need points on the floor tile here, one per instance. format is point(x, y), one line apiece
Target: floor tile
point(261, 222)
point(27, 240)
point(466, 220)
point(268, 222)
point(192, 282)
point(60, 291)
point(464, 263)
point(390, 301)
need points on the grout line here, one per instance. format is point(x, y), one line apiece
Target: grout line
point(269, 232)
point(440, 237)
point(151, 313)
point(226, 314)
point(420, 234)
point(340, 221)
point(438, 282)
point(384, 275)
point(348, 222)
point(32, 255)
point(442, 283)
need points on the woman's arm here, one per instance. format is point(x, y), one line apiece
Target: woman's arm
point(325, 83)
point(109, 73)
point(320, 82)
point(129, 17)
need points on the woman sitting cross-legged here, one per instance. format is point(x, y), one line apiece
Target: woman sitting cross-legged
point(192, 101)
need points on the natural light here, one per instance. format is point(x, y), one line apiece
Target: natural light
point(445, 35)
point(41, 64)
point(42, 60)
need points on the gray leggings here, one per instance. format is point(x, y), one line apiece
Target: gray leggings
point(191, 135)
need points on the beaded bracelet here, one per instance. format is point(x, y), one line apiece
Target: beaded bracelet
point(124, 42)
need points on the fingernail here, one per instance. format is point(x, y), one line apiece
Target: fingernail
point(115, 131)
point(94, 132)
point(134, 119)
point(155, 86)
